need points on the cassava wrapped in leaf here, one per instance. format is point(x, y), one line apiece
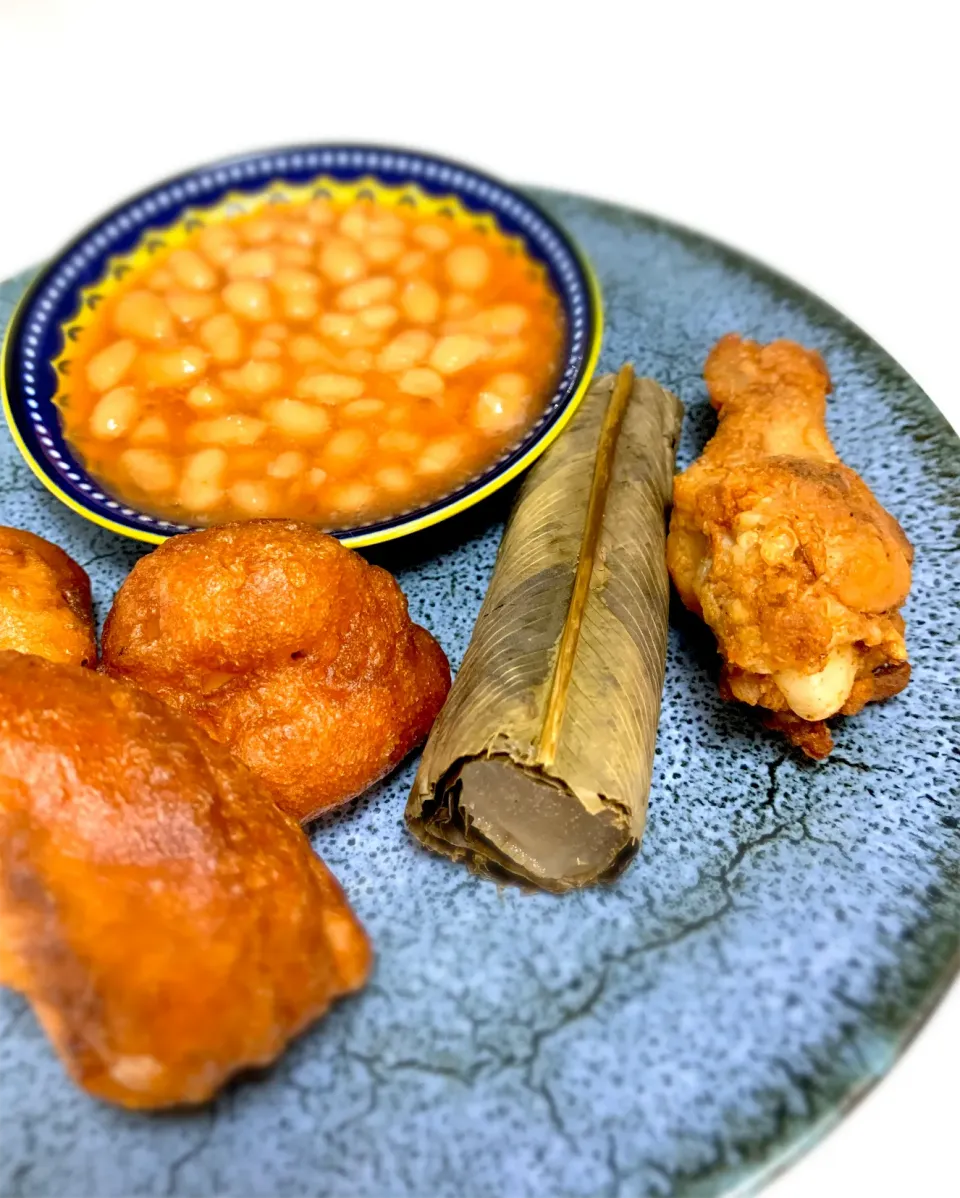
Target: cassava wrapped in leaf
point(539, 764)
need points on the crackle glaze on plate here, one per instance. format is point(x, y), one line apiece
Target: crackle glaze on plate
point(684, 1031)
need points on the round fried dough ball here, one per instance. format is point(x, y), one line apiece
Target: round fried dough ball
point(167, 922)
point(285, 646)
point(44, 601)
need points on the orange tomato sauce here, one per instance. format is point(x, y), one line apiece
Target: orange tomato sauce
point(338, 364)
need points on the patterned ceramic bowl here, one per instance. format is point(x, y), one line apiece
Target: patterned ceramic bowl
point(36, 350)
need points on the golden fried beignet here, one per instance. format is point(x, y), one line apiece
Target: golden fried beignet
point(45, 603)
point(784, 551)
point(168, 924)
point(285, 646)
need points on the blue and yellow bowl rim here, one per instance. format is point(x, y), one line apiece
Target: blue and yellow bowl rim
point(38, 331)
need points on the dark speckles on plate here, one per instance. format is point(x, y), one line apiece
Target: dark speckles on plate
point(681, 1032)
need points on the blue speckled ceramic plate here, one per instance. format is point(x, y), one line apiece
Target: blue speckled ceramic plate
point(35, 361)
point(685, 1031)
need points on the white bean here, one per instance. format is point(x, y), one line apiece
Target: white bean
point(511, 385)
point(143, 314)
point(297, 419)
point(505, 320)
point(198, 497)
point(252, 264)
point(346, 328)
point(256, 232)
point(296, 282)
point(421, 381)
point(174, 367)
point(218, 244)
point(329, 387)
point(223, 337)
point(191, 271)
point(255, 377)
point(106, 368)
point(411, 262)
point(363, 294)
point(342, 262)
point(352, 497)
point(383, 249)
point(405, 350)
point(386, 224)
point(207, 466)
point(455, 353)
point(420, 301)
point(249, 298)
point(360, 409)
point(287, 465)
point(440, 456)
point(380, 316)
point(161, 280)
point(115, 413)
point(346, 447)
point(319, 212)
point(305, 348)
point(227, 430)
point(149, 469)
point(432, 236)
point(298, 235)
point(338, 325)
point(204, 397)
point(354, 224)
point(300, 306)
point(188, 306)
point(201, 487)
point(395, 479)
point(502, 404)
point(253, 497)
point(468, 267)
point(508, 352)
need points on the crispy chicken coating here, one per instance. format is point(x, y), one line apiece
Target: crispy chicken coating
point(286, 647)
point(45, 603)
point(168, 924)
point(784, 551)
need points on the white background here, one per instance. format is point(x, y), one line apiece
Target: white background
point(818, 137)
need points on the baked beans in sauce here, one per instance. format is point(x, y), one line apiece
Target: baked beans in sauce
point(335, 363)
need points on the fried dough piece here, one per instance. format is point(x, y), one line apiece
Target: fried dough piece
point(45, 605)
point(286, 647)
point(784, 551)
point(168, 924)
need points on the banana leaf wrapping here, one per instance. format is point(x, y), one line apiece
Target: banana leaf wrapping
point(539, 764)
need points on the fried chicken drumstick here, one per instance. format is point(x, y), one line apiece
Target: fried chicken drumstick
point(167, 922)
point(784, 551)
